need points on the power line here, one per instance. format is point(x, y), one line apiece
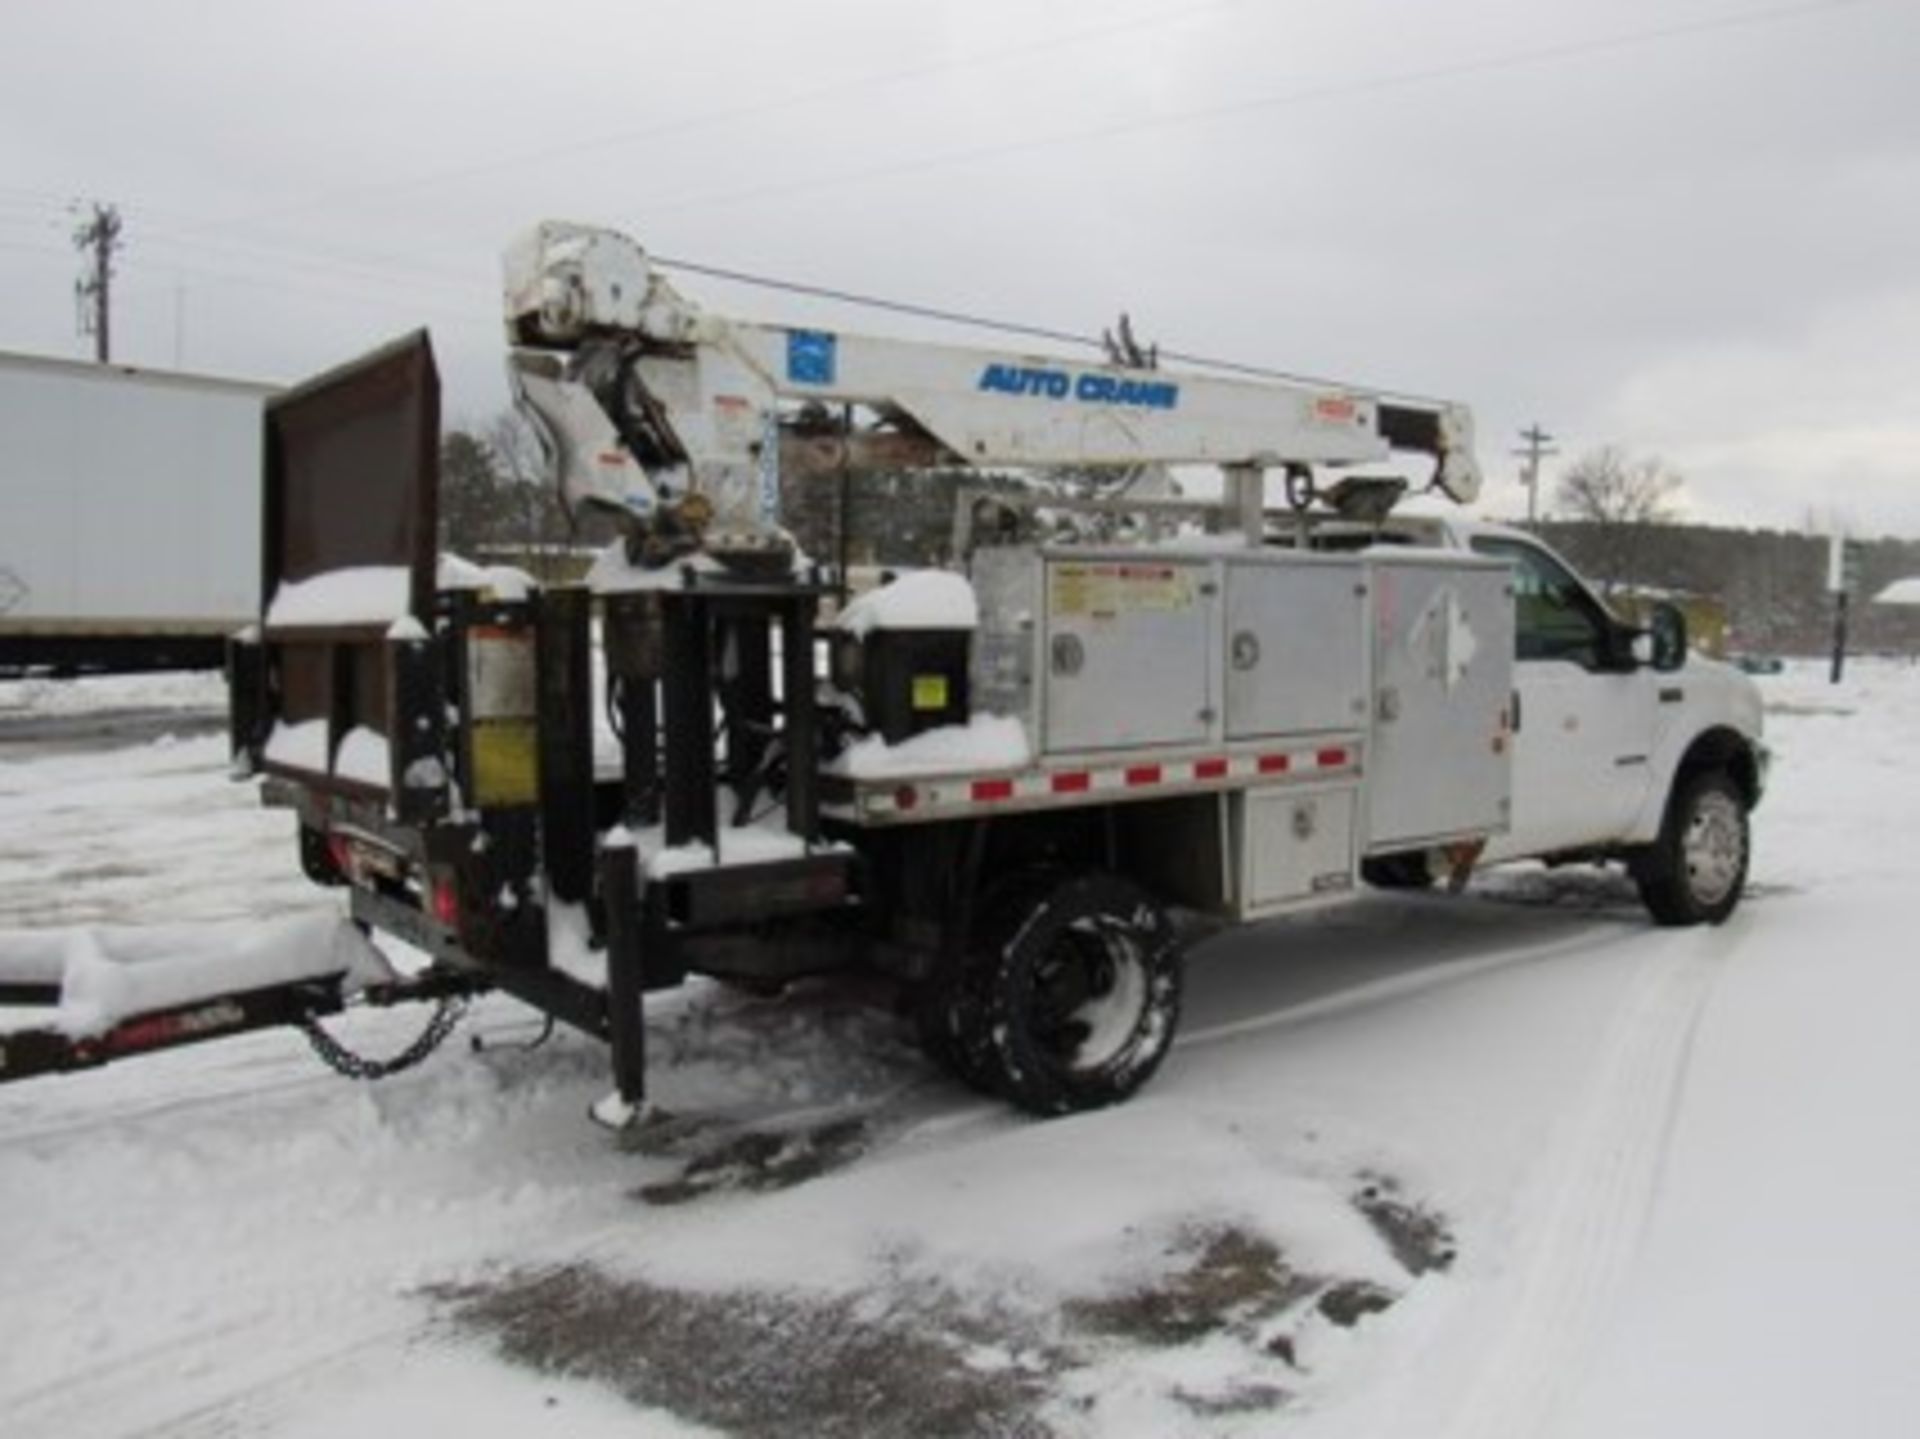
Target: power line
point(1010, 327)
point(836, 91)
point(875, 302)
point(1397, 80)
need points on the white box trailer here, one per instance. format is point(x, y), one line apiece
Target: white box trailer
point(129, 515)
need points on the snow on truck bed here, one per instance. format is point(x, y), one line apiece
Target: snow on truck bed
point(915, 600)
point(1509, 1164)
point(379, 594)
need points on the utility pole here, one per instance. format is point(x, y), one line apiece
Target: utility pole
point(1537, 449)
point(1843, 578)
point(91, 292)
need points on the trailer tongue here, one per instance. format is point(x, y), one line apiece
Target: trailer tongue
point(74, 999)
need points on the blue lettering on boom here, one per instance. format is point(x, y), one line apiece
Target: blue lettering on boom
point(1092, 387)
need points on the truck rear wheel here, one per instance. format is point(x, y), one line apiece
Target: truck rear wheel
point(949, 1013)
point(1083, 992)
point(1695, 871)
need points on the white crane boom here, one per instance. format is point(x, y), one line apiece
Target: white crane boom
point(683, 420)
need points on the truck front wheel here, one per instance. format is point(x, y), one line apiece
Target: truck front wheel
point(1082, 993)
point(1695, 871)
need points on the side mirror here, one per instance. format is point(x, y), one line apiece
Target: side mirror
point(1663, 643)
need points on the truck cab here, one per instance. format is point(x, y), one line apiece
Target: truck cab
point(1612, 728)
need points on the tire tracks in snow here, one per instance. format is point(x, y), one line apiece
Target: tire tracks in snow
point(198, 1384)
point(1600, 1183)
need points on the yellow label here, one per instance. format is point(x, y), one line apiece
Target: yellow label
point(1105, 591)
point(1084, 590)
point(506, 763)
point(929, 692)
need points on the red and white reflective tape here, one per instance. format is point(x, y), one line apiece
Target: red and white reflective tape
point(923, 798)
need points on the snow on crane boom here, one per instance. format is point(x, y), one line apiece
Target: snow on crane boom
point(683, 421)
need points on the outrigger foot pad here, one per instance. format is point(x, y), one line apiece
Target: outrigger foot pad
point(624, 1116)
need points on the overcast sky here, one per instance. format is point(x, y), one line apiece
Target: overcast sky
point(1690, 228)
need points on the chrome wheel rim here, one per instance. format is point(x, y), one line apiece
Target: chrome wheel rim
point(1714, 848)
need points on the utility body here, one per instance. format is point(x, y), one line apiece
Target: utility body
point(995, 783)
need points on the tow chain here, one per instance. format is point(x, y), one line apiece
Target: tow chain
point(343, 1060)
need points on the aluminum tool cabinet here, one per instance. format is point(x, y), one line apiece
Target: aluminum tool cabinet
point(1440, 762)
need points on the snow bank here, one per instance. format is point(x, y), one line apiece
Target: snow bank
point(984, 742)
point(921, 600)
point(107, 975)
point(96, 695)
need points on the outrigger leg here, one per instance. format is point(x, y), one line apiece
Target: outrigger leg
point(626, 1107)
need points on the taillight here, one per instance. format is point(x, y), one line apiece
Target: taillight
point(443, 898)
point(342, 855)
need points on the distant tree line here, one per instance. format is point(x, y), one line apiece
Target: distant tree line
point(1772, 582)
point(1621, 532)
point(1618, 523)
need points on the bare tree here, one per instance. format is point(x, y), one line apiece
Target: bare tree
point(534, 522)
point(515, 449)
point(1620, 497)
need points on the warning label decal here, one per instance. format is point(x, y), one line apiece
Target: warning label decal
point(1107, 590)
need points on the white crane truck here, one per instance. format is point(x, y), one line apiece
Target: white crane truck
point(996, 782)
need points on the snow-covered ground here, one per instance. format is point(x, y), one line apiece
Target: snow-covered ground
point(1514, 1163)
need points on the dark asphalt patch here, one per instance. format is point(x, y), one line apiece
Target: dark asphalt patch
point(1228, 1279)
point(757, 1363)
